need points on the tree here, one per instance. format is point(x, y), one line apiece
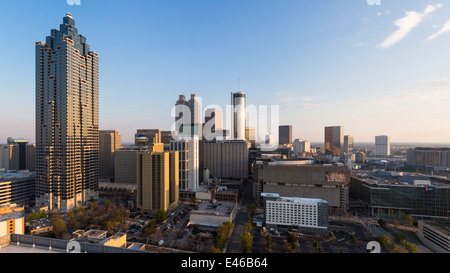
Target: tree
point(161, 215)
point(149, 229)
point(381, 222)
point(59, 227)
point(269, 243)
point(398, 236)
point(385, 241)
point(107, 203)
point(246, 242)
point(195, 230)
point(292, 242)
point(409, 220)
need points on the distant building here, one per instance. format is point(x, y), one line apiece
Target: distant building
point(109, 142)
point(188, 116)
point(125, 161)
point(21, 158)
point(301, 146)
point(334, 140)
point(303, 178)
point(360, 157)
point(250, 136)
point(305, 215)
point(348, 144)
point(12, 220)
point(285, 134)
point(223, 194)
point(382, 146)
point(152, 135)
point(238, 120)
point(17, 188)
point(226, 159)
point(435, 158)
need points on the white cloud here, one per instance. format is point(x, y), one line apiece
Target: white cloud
point(405, 24)
point(444, 29)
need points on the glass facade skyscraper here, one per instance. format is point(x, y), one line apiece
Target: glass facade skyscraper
point(67, 119)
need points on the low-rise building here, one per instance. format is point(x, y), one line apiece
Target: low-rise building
point(292, 213)
point(213, 214)
point(12, 220)
point(435, 236)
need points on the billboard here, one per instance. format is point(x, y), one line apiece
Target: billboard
point(335, 177)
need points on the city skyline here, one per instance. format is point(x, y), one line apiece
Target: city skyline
point(379, 63)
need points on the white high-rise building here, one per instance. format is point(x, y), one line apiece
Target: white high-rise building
point(382, 146)
point(239, 115)
point(188, 149)
point(301, 146)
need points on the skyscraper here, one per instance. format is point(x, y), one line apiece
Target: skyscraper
point(188, 149)
point(348, 144)
point(285, 134)
point(334, 140)
point(382, 146)
point(67, 119)
point(238, 115)
point(109, 141)
point(188, 125)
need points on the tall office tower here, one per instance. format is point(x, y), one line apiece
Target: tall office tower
point(301, 146)
point(250, 136)
point(157, 180)
point(285, 134)
point(334, 140)
point(30, 163)
point(382, 146)
point(22, 148)
point(188, 149)
point(109, 141)
point(153, 135)
point(193, 121)
point(348, 144)
point(67, 119)
point(238, 115)
point(166, 137)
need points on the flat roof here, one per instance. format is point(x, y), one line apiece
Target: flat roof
point(394, 178)
point(220, 208)
point(27, 249)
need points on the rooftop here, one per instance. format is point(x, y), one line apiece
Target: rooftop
point(399, 178)
point(219, 208)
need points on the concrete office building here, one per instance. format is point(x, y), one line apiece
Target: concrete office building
point(226, 159)
point(334, 140)
point(157, 179)
point(9, 157)
point(382, 146)
point(303, 178)
point(305, 215)
point(17, 188)
point(188, 149)
point(348, 144)
point(238, 121)
point(67, 119)
point(301, 146)
point(125, 165)
point(21, 145)
point(12, 220)
point(433, 158)
point(109, 141)
point(285, 134)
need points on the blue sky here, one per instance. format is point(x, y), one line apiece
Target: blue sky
point(374, 69)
